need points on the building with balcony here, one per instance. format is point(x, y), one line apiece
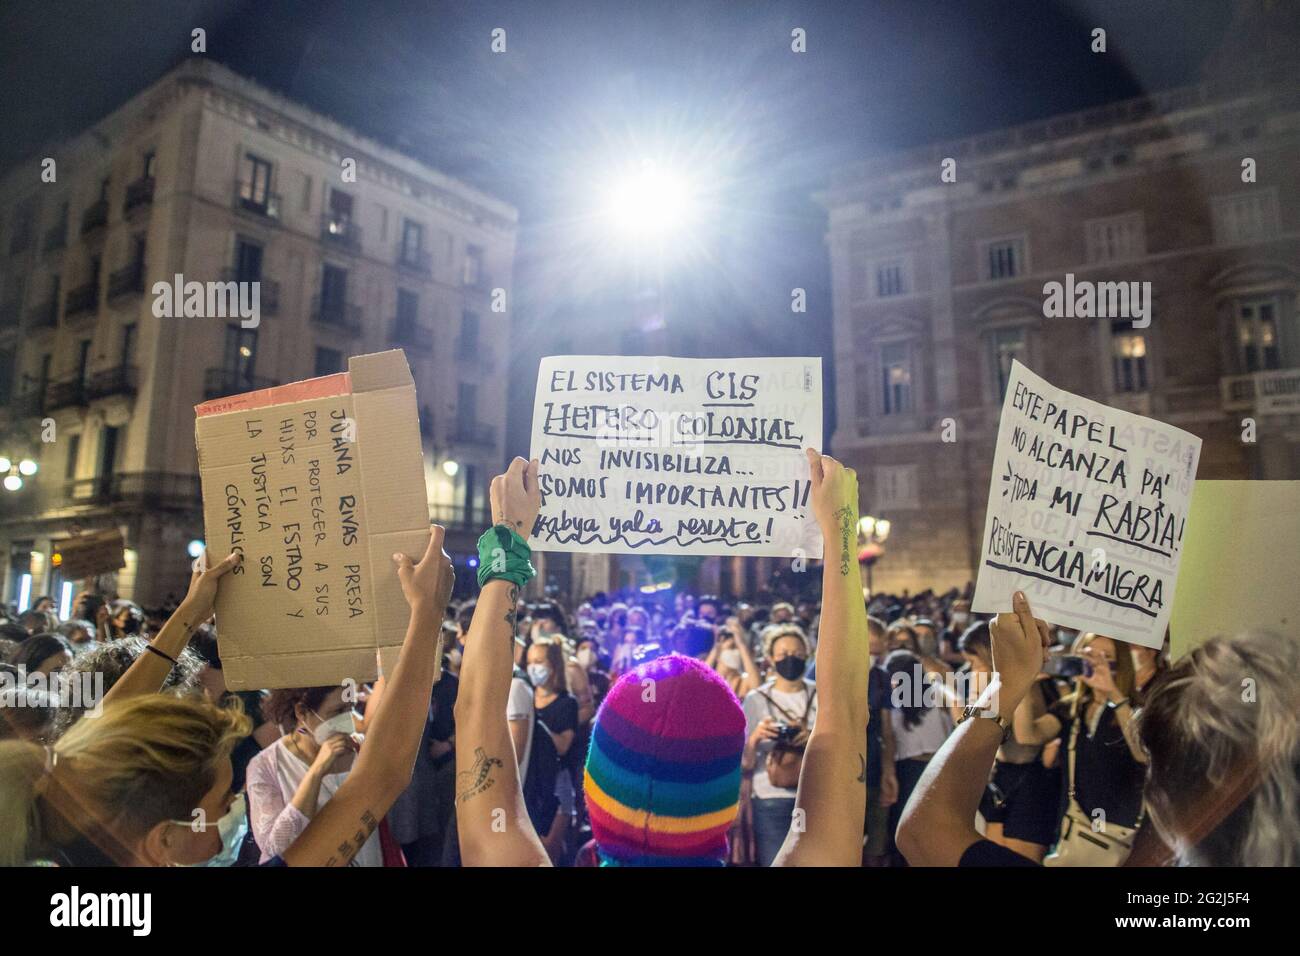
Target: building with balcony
point(939, 285)
point(208, 176)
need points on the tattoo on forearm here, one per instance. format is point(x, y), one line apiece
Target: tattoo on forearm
point(512, 613)
point(845, 518)
point(350, 848)
point(478, 778)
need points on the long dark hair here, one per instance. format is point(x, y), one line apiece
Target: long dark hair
point(906, 665)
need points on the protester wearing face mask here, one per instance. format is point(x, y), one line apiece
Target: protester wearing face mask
point(294, 777)
point(779, 717)
point(730, 657)
point(557, 710)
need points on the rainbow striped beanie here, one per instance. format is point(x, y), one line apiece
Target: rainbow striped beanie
point(663, 772)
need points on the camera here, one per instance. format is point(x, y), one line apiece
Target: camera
point(786, 732)
point(1067, 665)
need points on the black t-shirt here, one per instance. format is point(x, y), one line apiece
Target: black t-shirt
point(877, 703)
point(988, 853)
point(560, 715)
point(1105, 774)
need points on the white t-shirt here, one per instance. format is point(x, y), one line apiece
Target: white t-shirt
point(273, 778)
point(756, 708)
point(519, 706)
point(926, 737)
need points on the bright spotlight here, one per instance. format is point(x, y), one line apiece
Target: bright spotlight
point(5, 464)
point(650, 203)
point(450, 467)
point(194, 548)
point(13, 482)
point(27, 467)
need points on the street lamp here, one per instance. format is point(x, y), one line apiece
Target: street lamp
point(872, 533)
point(15, 472)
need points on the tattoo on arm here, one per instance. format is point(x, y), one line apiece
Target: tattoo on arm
point(845, 517)
point(350, 848)
point(512, 613)
point(862, 777)
point(478, 778)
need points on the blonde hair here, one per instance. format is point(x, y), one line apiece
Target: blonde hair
point(1221, 729)
point(1125, 674)
point(116, 776)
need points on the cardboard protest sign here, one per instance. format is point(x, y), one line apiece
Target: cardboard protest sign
point(659, 455)
point(1239, 562)
point(87, 555)
point(318, 484)
point(1087, 512)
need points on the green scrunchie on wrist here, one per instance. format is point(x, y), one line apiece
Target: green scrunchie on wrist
point(503, 554)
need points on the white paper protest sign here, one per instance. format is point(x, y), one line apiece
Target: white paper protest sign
point(659, 455)
point(1087, 512)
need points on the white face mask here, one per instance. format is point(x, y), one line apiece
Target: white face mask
point(731, 659)
point(959, 618)
point(232, 826)
point(344, 723)
point(587, 658)
point(539, 674)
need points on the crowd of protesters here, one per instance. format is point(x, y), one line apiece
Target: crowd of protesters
point(660, 728)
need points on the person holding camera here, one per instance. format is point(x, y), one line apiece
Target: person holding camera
point(1104, 762)
point(779, 717)
point(730, 657)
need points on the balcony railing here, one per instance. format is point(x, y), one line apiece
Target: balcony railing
point(69, 393)
point(82, 299)
point(30, 403)
point(268, 292)
point(460, 517)
point(220, 382)
point(1276, 391)
point(260, 203)
point(473, 433)
point(418, 261)
point(95, 217)
point(343, 316)
point(138, 193)
point(149, 488)
point(411, 336)
point(44, 316)
point(114, 381)
point(10, 312)
point(56, 237)
point(340, 231)
point(129, 280)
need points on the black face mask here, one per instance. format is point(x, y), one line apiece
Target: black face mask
point(791, 668)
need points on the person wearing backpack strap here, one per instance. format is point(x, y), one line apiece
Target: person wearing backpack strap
point(779, 718)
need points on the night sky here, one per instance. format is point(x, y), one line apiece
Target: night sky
point(715, 84)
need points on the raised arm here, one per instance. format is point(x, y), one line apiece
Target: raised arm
point(148, 672)
point(832, 796)
point(938, 823)
point(1032, 724)
point(383, 765)
point(488, 791)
